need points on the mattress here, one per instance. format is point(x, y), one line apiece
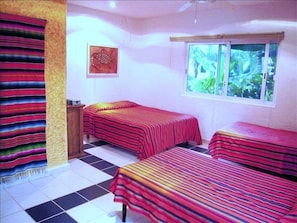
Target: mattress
point(182, 185)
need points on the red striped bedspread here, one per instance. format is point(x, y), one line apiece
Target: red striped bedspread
point(262, 147)
point(143, 130)
point(182, 185)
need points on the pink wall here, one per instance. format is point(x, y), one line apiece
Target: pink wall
point(151, 68)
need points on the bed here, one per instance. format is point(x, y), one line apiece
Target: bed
point(143, 130)
point(181, 185)
point(258, 146)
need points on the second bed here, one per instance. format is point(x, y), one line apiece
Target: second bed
point(143, 130)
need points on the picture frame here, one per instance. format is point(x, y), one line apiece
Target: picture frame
point(102, 61)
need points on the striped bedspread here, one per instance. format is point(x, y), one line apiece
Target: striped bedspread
point(182, 185)
point(266, 148)
point(143, 130)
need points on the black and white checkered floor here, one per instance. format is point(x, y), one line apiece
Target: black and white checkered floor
point(78, 192)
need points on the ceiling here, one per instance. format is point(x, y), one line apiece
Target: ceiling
point(154, 8)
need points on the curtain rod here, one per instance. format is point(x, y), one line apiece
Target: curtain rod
point(267, 36)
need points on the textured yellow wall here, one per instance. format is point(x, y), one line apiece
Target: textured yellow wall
point(54, 11)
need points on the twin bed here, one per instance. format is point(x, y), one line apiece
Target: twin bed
point(265, 148)
point(181, 185)
point(146, 131)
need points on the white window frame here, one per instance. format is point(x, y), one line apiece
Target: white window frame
point(264, 38)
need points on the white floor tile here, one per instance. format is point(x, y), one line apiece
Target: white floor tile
point(56, 189)
point(79, 183)
point(93, 174)
point(114, 155)
point(116, 217)
point(21, 189)
point(85, 213)
point(30, 200)
point(42, 182)
point(4, 195)
point(76, 164)
point(110, 218)
point(106, 203)
point(65, 176)
point(71, 179)
point(9, 207)
point(20, 216)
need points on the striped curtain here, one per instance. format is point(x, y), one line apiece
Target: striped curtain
point(22, 92)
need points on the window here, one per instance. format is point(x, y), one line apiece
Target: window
point(232, 70)
point(234, 67)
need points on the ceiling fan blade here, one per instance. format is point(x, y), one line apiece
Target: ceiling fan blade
point(189, 3)
point(185, 6)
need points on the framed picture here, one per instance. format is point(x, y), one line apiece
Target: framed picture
point(102, 61)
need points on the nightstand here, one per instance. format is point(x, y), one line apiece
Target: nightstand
point(75, 130)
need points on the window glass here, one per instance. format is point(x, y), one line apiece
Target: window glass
point(205, 68)
point(271, 66)
point(246, 70)
point(241, 70)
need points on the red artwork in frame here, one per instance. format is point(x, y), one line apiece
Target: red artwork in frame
point(102, 61)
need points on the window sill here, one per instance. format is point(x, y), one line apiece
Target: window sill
point(243, 101)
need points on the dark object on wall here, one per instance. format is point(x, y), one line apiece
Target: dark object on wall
point(73, 102)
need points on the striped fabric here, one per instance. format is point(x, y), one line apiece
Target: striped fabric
point(181, 185)
point(266, 148)
point(143, 130)
point(22, 91)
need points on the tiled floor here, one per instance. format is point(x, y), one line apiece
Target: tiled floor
point(78, 192)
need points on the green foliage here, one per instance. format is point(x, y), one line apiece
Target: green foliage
point(245, 70)
point(248, 86)
point(245, 77)
point(205, 85)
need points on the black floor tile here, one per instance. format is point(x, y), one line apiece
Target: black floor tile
point(92, 192)
point(70, 200)
point(111, 170)
point(88, 146)
point(90, 159)
point(61, 218)
point(185, 145)
point(199, 149)
point(105, 184)
point(102, 165)
point(85, 155)
point(99, 143)
point(43, 211)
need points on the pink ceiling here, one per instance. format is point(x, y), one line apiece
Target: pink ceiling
point(155, 8)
